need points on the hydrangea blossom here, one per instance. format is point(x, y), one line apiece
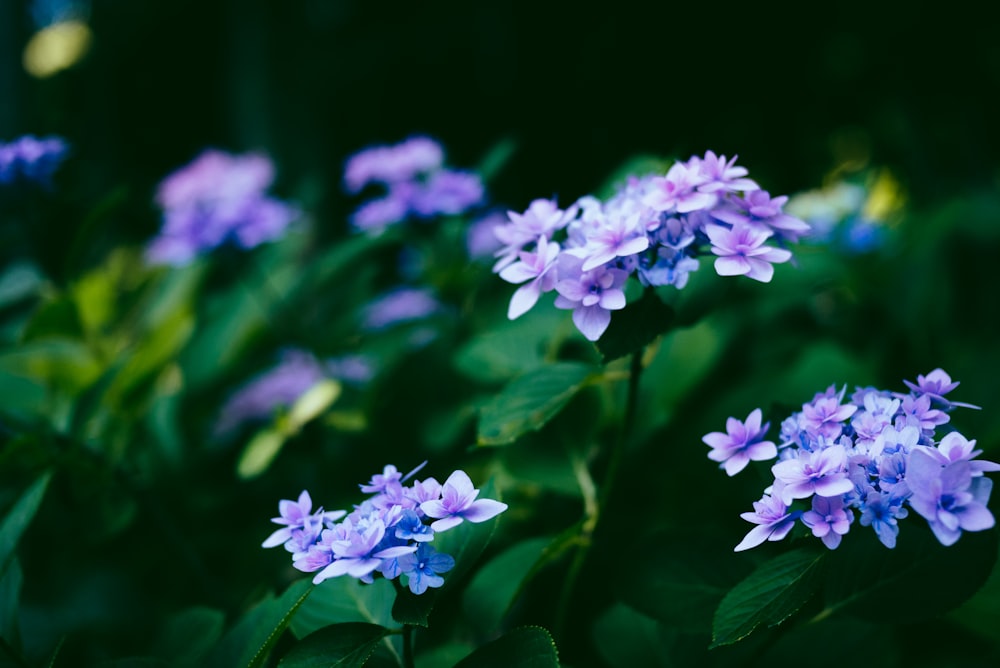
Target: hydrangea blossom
point(656, 227)
point(873, 458)
point(389, 533)
point(217, 199)
point(415, 181)
point(30, 159)
point(279, 387)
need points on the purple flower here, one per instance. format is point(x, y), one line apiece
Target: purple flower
point(678, 191)
point(399, 306)
point(298, 515)
point(828, 519)
point(773, 518)
point(356, 554)
point(447, 192)
point(421, 568)
point(741, 443)
point(760, 210)
point(824, 415)
point(881, 511)
point(392, 164)
point(591, 294)
point(721, 175)
point(949, 497)
point(218, 198)
point(542, 218)
point(380, 481)
point(535, 268)
point(936, 384)
point(32, 160)
point(458, 502)
point(823, 473)
point(918, 412)
point(281, 386)
point(619, 236)
point(742, 252)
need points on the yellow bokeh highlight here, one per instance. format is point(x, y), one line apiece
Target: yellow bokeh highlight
point(56, 47)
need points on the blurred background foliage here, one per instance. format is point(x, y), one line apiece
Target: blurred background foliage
point(112, 375)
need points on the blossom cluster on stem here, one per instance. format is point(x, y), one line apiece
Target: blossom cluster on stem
point(872, 458)
point(655, 227)
point(417, 185)
point(218, 199)
point(390, 533)
point(30, 159)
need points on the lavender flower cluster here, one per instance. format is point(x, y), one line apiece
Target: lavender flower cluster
point(389, 533)
point(655, 227)
point(872, 458)
point(416, 182)
point(30, 159)
point(216, 199)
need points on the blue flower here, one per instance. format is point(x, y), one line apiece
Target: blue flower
point(421, 568)
point(30, 159)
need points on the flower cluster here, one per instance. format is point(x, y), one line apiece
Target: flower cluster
point(655, 227)
point(31, 159)
point(872, 458)
point(417, 184)
point(389, 533)
point(218, 198)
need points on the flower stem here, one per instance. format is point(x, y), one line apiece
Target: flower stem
point(593, 507)
point(408, 646)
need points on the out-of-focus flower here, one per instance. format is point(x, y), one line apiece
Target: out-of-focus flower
point(218, 198)
point(399, 306)
point(30, 159)
point(417, 185)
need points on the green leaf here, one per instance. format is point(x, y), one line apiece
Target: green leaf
point(509, 348)
point(10, 602)
point(19, 517)
point(496, 585)
point(635, 327)
point(345, 599)
point(413, 609)
point(527, 647)
point(20, 280)
point(188, 636)
point(627, 639)
point(531, 400)
point(249, 642)
point(771, 594)
point(862, 574)
point(259, 453)
point(683, 587)
point(346, 645)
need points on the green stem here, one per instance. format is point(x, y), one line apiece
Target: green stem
point(408, 646)
point(594, 505)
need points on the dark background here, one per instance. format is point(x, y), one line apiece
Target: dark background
point(793, 90)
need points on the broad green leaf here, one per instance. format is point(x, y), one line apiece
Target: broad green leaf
point(249, 642)
point(10, 602)
point(311, 404)
point(862, 574)
point(414, 609)
point(769, 595)
point(527, 647)
point(447, 654)
point(345, 599)
point(20, 280)
point(19, 517)
point(259, 453)
point(635, 326)
point(346, 645)
point(62, 363)
point(681, 588)
point(151, 354)
point(188, 636)
point(530, 401)
point(494, 588)
point(628, 639)
point(510, 348)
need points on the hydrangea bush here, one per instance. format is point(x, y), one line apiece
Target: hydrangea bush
point(163, 391)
